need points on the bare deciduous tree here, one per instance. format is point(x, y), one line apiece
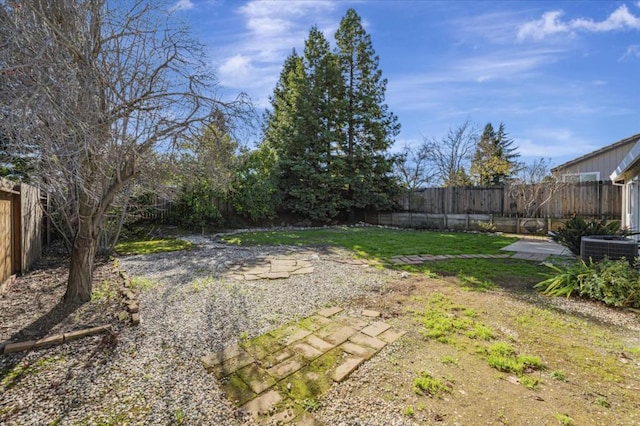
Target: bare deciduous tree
point(88, 88)
point(451, 155)
point(414, 171)
point(533, 187)
point(414, 168)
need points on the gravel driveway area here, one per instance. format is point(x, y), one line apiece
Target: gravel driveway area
point(151, 374)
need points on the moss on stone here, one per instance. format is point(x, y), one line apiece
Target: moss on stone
point(262, 346)
point(314, 323)
point(237, 390)
point(281, 333)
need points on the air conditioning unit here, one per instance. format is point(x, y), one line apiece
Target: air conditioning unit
point(597, 247)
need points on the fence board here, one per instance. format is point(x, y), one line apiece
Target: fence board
point(31, 226)
point(585, 199)
point(6, 240)
point(20, 227)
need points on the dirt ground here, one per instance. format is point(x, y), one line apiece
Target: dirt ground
point(590, 354)
point(32, 308)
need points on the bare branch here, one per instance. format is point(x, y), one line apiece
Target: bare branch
point(451, 154)
point(533, 187)
point(90, 87)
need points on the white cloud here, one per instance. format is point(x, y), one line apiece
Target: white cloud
point(547, 25)
point(182, 5)
point(632, 51)
point(271, 30)
point(551, 23)
point(494, 26)
point(500, 65)
point(620, 19)
point(235, 67)
point(276, 27)
point(565, 143)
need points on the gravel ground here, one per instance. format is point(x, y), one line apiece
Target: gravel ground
point(151, 374)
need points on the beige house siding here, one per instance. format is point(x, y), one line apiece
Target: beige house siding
point(603, 161)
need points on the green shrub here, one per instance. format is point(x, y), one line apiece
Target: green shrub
point(254, 189)
point(577, 227)
point(613, 282)
point(195, 207)
point(562, 282)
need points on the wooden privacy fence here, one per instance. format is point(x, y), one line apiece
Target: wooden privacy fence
point(20, 228)
point(527, 209)
point(545, 200)
point(468, 222)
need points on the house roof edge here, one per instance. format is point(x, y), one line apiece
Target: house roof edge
point(614, 145)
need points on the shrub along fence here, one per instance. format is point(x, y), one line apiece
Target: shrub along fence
point(531, 209)
point(164, 211)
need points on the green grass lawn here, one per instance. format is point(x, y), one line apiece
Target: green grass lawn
point(483, 274)
point(156, 245)
point(380, 243)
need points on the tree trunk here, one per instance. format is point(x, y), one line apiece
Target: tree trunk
point(83, 254)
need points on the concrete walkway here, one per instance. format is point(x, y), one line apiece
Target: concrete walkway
point(537, 250)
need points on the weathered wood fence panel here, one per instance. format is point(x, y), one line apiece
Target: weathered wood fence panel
point(20, 228)
point(518, 209)
point(455, 200)
point(6, 234)
point(469, 222)
point(31, 226)
point(584, 199)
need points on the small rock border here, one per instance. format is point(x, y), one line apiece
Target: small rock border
point(130, 301)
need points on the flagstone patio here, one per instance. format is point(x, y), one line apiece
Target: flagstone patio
point(274, 375)
point(269, 268)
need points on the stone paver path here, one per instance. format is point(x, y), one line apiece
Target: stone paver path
point(281, 267)
point(272, 375)
point(270, 268)
point(423, 258)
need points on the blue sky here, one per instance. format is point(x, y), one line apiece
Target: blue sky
point(564, 77)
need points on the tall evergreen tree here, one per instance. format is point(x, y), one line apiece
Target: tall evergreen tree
point(279, 121)
point(303, 130)
point(330, 128)
point(495, 159)
point(321, 124)
point(369, 126)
